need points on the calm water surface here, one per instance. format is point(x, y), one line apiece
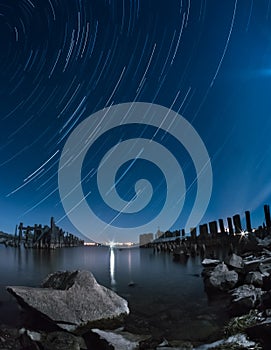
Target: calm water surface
point(168, 295)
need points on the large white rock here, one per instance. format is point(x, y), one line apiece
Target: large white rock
point(72, 300)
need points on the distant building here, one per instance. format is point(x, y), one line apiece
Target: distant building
point(145, 238)
point(159, 234)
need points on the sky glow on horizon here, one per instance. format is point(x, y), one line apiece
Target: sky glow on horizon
point(61, 62)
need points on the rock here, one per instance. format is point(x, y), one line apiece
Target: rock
point(237, 341)
point(52, 340)
point(268, 312)
point(170, 348)
point(261, 331)
point(79, 302)
point(151, 343)
point(34, 336)
point(121, 340)
point(206, 272)
point(255, 278)
point(251, 265)
point(235, 261)
point(14, 339)
point(210, 262)
point(267, 252)
point(62, 341)
point(62, 280)
point(181, 345)
point(265, 268)
point(10, 339)
point(266, 300)
point(245, 298)
point(131, 284)
point(205, 330)
point(93, 341)
point(175, 348)
point(221, 279)
point(264, 242)
point(164, 343)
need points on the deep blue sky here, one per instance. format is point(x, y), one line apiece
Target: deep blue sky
point(63, 60)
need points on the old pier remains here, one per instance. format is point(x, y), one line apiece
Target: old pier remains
point(43, 237)
point(214, 234)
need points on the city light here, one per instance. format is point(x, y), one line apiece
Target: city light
point(111, 244)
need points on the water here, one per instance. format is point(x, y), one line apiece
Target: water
point(167, 298)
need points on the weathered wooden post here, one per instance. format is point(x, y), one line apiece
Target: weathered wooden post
point(16, 237)
point(248, 221)
point(237, 223)
point(267, 215)
point(193, 234)
point(52, 233)
point(60, 237)
point(221, 226)
point(35, 234)
point(47, 237)
point(26, 233)
point(230, 227)
point(20, 232)
point(213, 228)
point(203, 231)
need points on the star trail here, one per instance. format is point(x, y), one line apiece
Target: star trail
point(62, 61)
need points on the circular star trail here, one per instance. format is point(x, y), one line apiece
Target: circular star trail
point(61, 61)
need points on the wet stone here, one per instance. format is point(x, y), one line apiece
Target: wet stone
point(73, 300)
point(63, 341)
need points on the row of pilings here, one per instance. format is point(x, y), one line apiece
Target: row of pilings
point(43, 237)
point(215, 235)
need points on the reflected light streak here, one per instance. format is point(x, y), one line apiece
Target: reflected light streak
point(112, 266)
point(129, 262)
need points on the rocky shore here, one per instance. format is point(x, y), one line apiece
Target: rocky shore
point(246, 279)
point(70, 310)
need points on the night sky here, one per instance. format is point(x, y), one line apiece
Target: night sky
point(64, 60)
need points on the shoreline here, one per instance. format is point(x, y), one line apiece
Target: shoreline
point(136, 324)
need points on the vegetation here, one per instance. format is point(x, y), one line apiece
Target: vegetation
point(240, 324)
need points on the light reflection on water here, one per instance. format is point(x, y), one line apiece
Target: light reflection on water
point(159, 285)
point(112, 268)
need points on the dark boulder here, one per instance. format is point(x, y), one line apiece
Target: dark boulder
point(255, 278)
point(221, 279)
point(261, 331)
point(266, 300)
point(62, 341)
point(235, 262)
